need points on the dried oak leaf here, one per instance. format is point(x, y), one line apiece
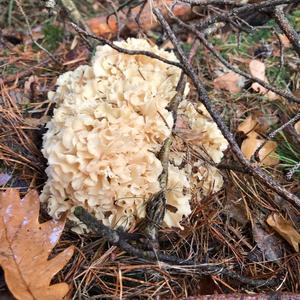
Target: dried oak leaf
point(267, 155)
point(257, 122)
point(230, 82)
point(258, 70)
point(249, 124)
point(25, 245)
point(286, 229)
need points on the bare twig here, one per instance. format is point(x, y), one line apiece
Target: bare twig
point(73, 13)
point(123, 50)
point(115, 13)
point(254, 170)
point(281, 63)
point(26, 72)
point(156, 206)
point(287, 28)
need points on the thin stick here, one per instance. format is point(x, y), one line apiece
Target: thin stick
point(245, 8)
point(210, 2)
point(156, 206)
point(123, 50)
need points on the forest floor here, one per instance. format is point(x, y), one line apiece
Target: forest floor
point(227, 228)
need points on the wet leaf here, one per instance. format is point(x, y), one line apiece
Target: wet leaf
point(258, 69)
point(269, 244)
point(266, 154)
point(231, 82)
point(286, 229)
point(297, 127)
point(25, 245)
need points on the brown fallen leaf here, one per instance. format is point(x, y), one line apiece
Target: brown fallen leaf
point(266, 154)
point(258, 122)
point(297, 127)
point(248, 124)
point(230, 82)
point(286, 229)
point(25, 246)
point(258, 69)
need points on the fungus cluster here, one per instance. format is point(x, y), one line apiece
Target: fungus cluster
point(109, 122)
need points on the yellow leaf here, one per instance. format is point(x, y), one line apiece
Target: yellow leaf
point(297, 127)
point(286, 229)
point(25, 245)
point(266, 154)
point(230, 81)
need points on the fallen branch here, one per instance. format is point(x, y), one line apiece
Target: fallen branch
point(287, 28)
point(256, 171)
point(31, 35)
point(123, 50)
point(115, 238)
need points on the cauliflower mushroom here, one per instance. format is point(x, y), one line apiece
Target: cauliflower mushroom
point(110, 119)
